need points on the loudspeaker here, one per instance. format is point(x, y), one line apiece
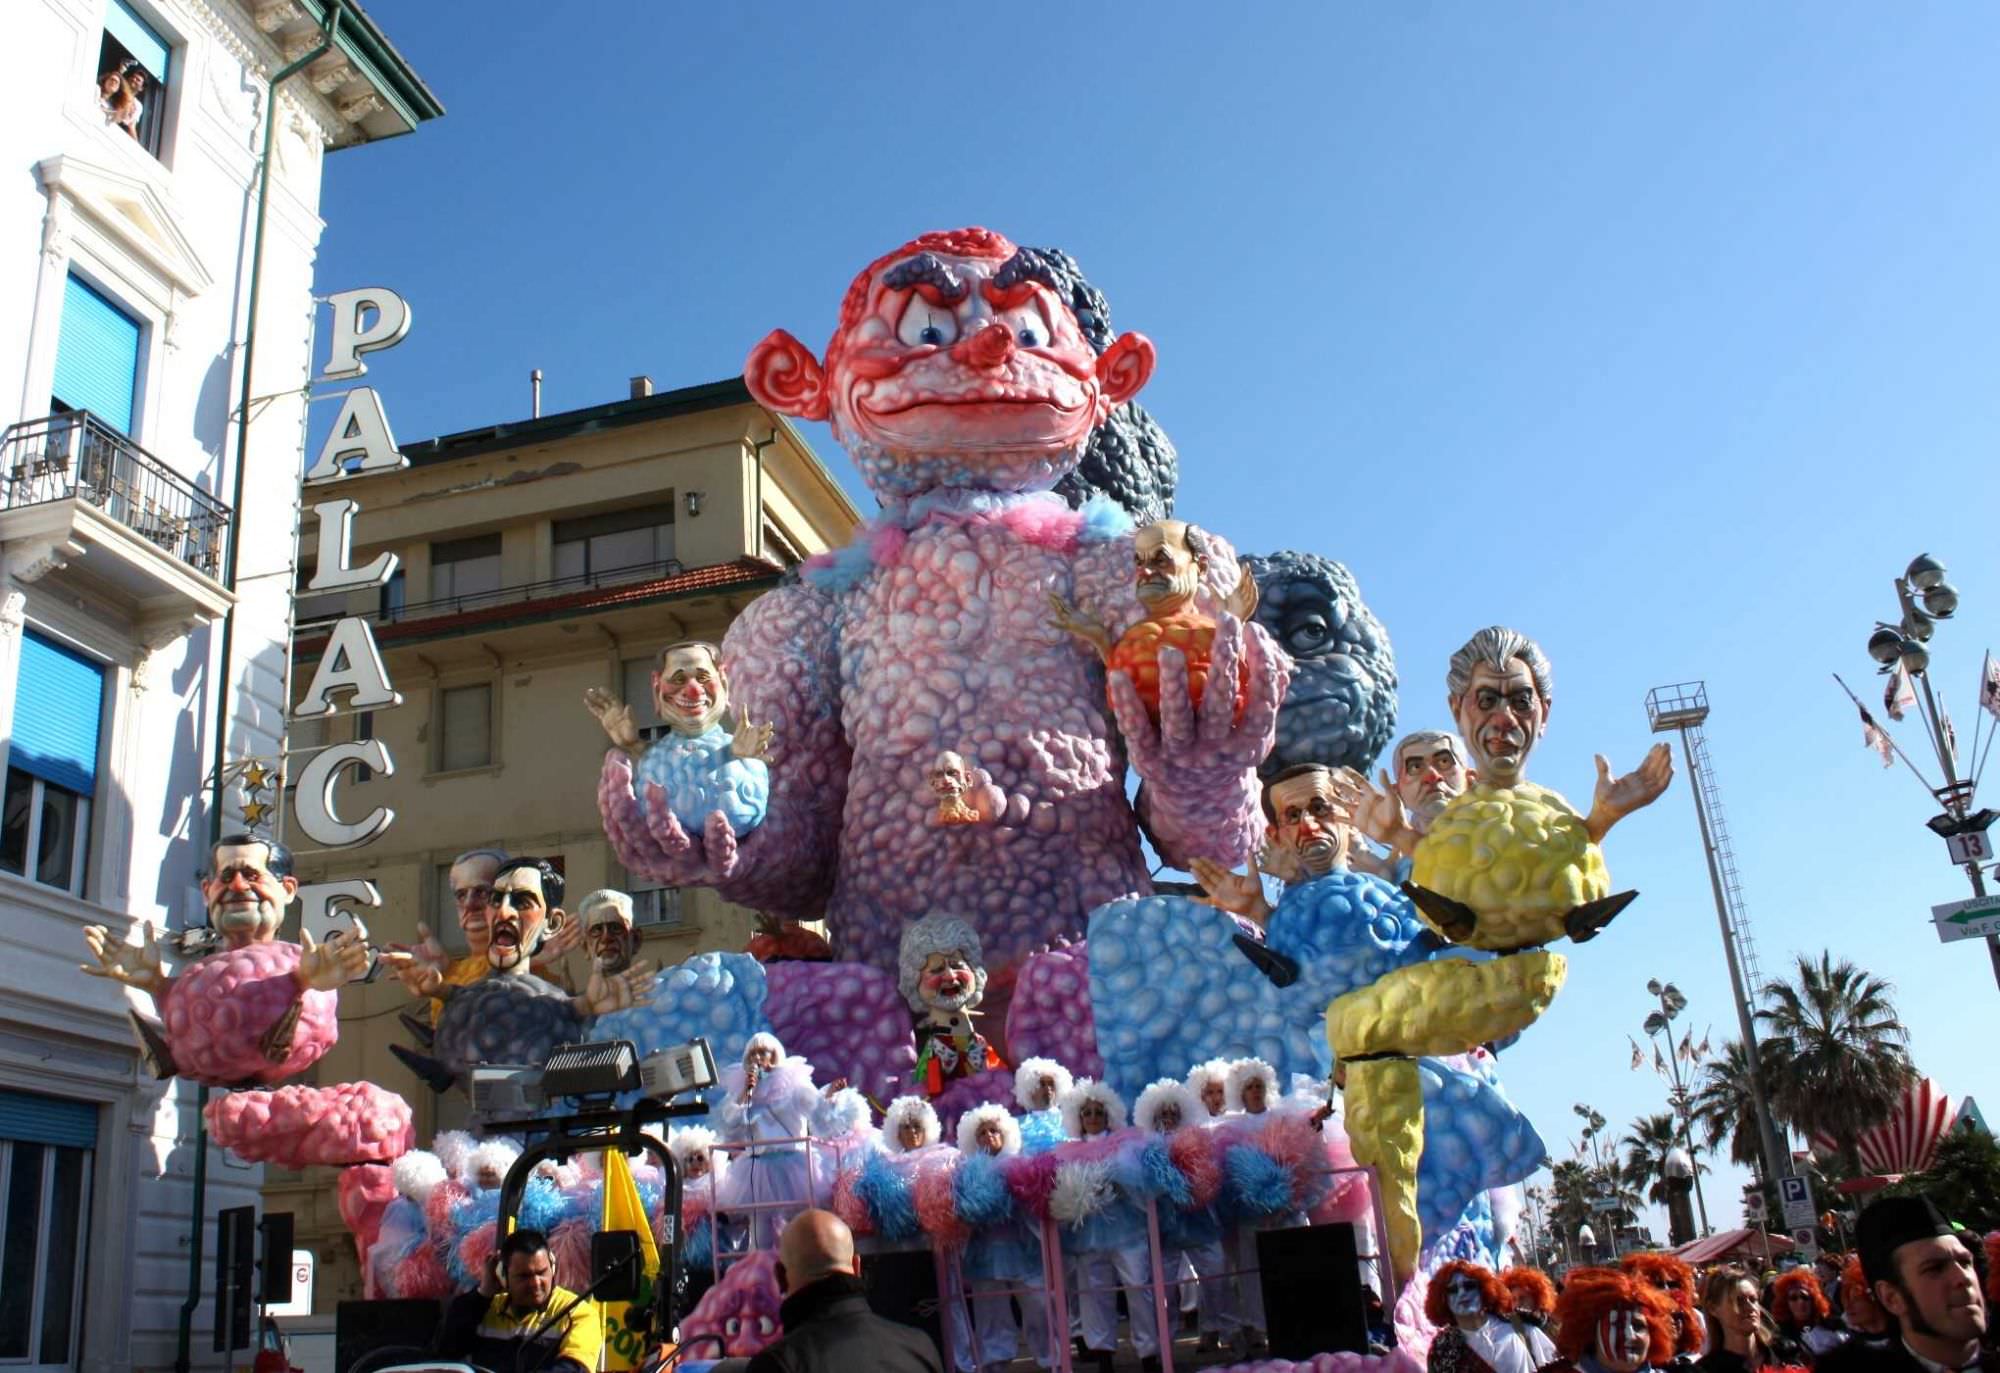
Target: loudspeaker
point(362, 1327)
point(902, 1287)
point(276, 1257)
point(1312, 1291)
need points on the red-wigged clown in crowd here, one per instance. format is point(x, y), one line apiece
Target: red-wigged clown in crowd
point(1611, 1322)
point(964, 387)
point(1477, 1332)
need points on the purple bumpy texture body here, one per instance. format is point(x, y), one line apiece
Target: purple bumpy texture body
point(848, 1020)
point(505, 1020)
point(944, 640)
point(218, 1010)
point(1050, 1014)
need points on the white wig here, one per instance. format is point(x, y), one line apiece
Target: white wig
point(1244, 1069)
point(907, 1108)
point(494, 1153)
point(969, 1123)
point(846, 1112)
point(764, 1039)
point(938, 934)
point(451, 1147)
point(689, 1140)
point(1090, 1089)
point(1029, 1075)
point(1215, 1070)
point(417, 1174)
point(1167, 1091)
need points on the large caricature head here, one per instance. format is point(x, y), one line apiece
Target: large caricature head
point(1039, 1081)
point(1311, 810)
point(608, 934)
point(527, 906)
point(249, 885)
point(1168, 559)
point(1615, 1318)
point(956, 363)
point(1340, 708)
point(690, 689)
point(1499, 688)
point(472, 876)
point(1429, 769)
point(939, 968)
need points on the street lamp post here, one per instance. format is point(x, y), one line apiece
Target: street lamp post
point(1900, 650)
point(1672, 1003)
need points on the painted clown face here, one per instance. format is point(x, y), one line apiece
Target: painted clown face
point(956, 365)
point(1623, 1340)
point(1463, 1297)
point(948, 982)
point(1167, 571)
point(1501, 717)
point(695, 1165)
point(246, 900)
point(1313, 821)
point(689, 690)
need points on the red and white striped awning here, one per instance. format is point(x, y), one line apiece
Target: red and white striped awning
point(1727, 1243)
point(1907, 1141)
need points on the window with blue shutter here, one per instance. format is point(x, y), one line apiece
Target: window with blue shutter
point(97, 357)
point(58, 703)
point(133, 48)
point(37, 1119)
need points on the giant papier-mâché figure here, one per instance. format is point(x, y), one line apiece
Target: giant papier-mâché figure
point(960, 383)
point(700, 767)
point(259, 1010)
point(511, 1015)
point(1504, 866)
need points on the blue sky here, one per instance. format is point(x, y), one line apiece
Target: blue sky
point(1664, 333)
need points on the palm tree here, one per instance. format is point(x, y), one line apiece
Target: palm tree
point(1838, 1054)
point(1647, 1145)
point(1723, 1107)
point(1571, 1185)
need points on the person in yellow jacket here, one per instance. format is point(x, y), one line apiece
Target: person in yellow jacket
point(519, 1312)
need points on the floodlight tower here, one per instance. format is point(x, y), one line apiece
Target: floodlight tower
point(1682, 708)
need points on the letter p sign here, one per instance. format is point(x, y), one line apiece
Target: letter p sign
point(363, 321)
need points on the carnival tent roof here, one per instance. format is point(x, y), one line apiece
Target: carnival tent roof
point(1726, 1244)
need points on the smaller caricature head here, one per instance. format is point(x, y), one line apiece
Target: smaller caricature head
point(909, 1123)
point(1311, 807)
point(1464, 1294)
point(607, 930)
point(249, 885)
point(1429, 769)
point(1164, 1106)
point(939, 966)
point(764, 1052)
point(1210, 1084)
point(1091, 1108)
point(989, 1129)
point(1253, 1086)
point(527, 905)
point(472, 876)
point(1616, 1318)
point(690, 689)
point(949, 776)
point(1038, 1082)
point(1169, 556)
point(1499, 688)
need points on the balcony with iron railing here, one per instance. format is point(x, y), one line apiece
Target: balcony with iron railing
point(314, 614)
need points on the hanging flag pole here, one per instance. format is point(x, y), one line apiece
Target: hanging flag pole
point(1868, 721)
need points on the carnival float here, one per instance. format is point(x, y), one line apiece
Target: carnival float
point(1009, 1045)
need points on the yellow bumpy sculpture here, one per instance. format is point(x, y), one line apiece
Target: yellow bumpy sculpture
point(1438, 1008)
point(1519, 857)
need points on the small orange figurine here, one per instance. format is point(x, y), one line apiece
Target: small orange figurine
point(1170, 558)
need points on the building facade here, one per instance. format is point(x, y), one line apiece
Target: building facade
point(538, 559)
point(133, 138)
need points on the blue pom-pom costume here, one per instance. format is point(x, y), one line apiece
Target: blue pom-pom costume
point(701, 775)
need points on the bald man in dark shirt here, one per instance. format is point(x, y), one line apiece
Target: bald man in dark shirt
point(828, 1326)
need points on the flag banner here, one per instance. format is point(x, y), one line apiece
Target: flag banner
point(1873, 737)
point(1989, 687)
point(1899, 696)
point(1638, 1059)
point(624, 1210)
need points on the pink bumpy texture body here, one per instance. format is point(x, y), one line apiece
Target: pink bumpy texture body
point(748, 1295)
point(1050, 1016)
point(353, 1122)
point(848, 1020)
point(218, 1009)
point(949, 647)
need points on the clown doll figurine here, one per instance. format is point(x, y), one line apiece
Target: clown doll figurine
point(1476, 1331)
point(1610, 1322)
point(941, 974)
point(702, 768)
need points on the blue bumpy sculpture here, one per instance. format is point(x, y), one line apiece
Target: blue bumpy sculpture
point(1170, 985)
point(714, 996)
point(1341, 706)
point(701, 775)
